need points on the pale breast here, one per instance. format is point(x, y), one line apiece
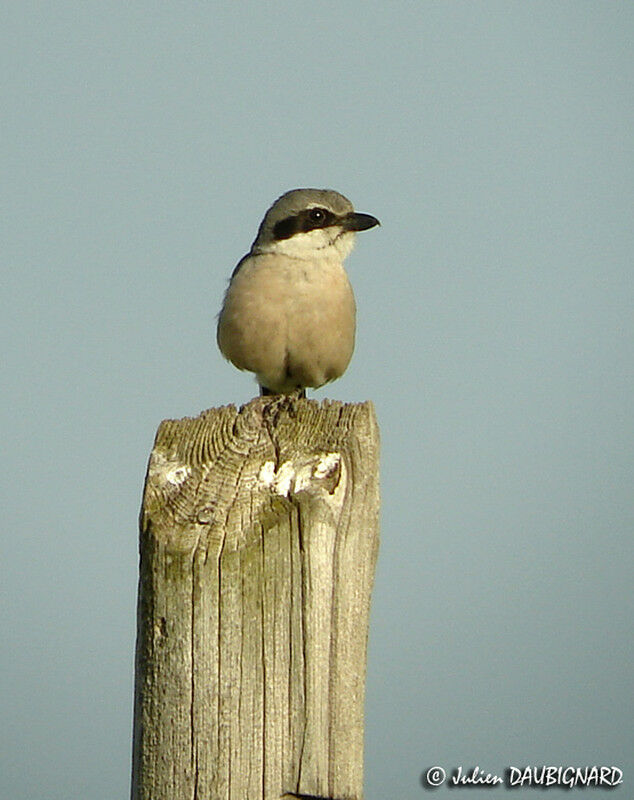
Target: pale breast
point(291, 322)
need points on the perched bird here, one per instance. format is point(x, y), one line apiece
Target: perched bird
point(289, 312)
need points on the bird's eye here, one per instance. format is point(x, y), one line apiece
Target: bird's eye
point(317, 215)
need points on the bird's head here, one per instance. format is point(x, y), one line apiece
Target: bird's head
point(309, 223)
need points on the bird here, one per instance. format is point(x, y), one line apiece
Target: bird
point(289, 313)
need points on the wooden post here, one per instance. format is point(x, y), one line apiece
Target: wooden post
point(259, 535)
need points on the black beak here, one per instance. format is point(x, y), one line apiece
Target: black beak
point(358, 222)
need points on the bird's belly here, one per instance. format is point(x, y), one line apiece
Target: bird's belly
point(320, 335)
point(293, 328)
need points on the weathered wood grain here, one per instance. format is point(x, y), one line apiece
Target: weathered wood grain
point(259, 535)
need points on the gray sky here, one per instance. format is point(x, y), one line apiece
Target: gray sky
point(141, 144)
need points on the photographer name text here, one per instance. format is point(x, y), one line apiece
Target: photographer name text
point(523, 777)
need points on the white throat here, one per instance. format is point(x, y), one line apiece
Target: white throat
point(326, 243)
